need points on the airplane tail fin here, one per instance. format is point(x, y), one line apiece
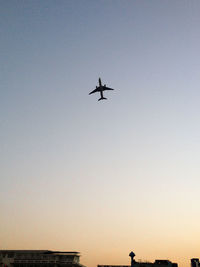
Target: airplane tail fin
point(102, 98)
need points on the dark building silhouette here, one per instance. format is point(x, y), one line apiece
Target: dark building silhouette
point(195, 262)
point(39, 258)
point(132, 255)
point(157, 263)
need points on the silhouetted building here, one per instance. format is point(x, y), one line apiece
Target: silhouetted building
point(157, 263)
point(132, 255)
point(195, 262)
point(39, 258)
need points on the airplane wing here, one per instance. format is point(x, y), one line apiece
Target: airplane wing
point(107, 88)
point(94, 91)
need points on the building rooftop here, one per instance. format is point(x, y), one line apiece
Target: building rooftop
point(74, 253)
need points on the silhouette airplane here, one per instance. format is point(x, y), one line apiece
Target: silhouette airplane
point(100, 89)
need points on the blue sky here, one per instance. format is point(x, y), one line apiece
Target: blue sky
point(76, 172)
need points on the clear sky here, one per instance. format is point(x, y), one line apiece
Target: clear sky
point(107, 177)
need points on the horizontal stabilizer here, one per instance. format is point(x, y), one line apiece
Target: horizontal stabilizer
point(102, 98)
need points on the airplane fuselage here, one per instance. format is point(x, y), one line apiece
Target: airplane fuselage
point(100, 82)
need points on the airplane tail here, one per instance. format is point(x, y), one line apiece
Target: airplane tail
point(102, 98)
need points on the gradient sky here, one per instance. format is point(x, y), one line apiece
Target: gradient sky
point(107, 177)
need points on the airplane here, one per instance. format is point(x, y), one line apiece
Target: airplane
point(100, 89)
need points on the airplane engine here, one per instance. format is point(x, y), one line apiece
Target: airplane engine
point(105, 85)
